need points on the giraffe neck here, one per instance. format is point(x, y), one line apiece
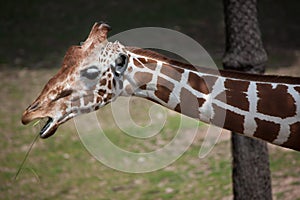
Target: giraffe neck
point(265, 107)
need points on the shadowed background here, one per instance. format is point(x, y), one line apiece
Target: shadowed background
point(36, 34)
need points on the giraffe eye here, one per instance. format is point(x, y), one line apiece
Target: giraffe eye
point(90, 73)
point(120, 64)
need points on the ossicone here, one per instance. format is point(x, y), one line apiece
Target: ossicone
point(97, 36)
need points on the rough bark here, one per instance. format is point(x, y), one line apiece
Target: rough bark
point(245, 52)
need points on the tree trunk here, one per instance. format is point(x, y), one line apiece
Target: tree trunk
point(245, 52)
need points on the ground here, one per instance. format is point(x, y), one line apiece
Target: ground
point(61, 168)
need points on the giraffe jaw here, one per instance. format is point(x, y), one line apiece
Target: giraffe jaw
point(53, 123)
point(49, 128)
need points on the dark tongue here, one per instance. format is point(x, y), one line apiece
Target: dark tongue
point(46, 126)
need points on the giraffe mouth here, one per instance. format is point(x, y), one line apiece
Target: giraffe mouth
point(49, 128)
point(52, 124)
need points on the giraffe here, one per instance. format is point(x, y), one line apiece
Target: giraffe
point(96, 72)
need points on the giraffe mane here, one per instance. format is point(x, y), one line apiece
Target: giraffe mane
point(225, 73)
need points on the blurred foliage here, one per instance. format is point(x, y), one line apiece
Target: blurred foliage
point(37, 33)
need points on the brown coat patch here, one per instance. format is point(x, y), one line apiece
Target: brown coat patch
point(142, 78)
point(294, 139)
point(75, 102)
point(171, 72)
point(101, 92)
point(189, 104)
point(202, 84)
point(228, 119)
point(103, 82)
point(263, 130)
point(99, 99)
point(236, 94)
point(137, 63)
point(149, 63)
point(109, 96)
point(87, 99)
point(164, 89)
point(200, 103)
point(275, 102)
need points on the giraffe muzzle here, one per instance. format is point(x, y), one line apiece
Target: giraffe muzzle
point(48, 129)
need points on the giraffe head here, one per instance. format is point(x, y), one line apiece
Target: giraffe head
point(90, 77)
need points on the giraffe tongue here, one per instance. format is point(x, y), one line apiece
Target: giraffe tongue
point(48, 129)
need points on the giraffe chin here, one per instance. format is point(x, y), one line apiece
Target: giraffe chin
point(48, 129)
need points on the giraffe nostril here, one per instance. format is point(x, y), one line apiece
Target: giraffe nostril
point(33, 106)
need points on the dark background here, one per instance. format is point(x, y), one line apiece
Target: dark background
point(36, 34)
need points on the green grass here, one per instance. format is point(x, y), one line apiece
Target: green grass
point(61, 168)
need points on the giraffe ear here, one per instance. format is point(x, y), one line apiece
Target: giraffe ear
point(97, 36)
point(120, 65)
